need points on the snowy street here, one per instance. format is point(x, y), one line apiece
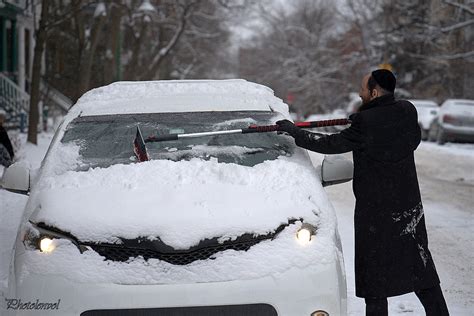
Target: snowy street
point(446, 176)
point(447, 185)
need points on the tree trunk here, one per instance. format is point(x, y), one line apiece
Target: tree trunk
point(88, 55)
point(113, 41)
point(36, 75)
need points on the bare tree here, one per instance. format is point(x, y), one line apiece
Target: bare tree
point(432, 43)
point(153, 36)
point(52, 16)
point(130, 40)
point(89, 33)
point(204, 50)
point(40, 35)
point(428, 43)
point(294, 54)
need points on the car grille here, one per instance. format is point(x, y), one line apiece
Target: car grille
point(158, 250)
point(115, 253)
point(224, 310)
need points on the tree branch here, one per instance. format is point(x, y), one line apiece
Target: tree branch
point(163, 52)
point(75, 9)
point(443, 58)
point(457, 26)
point(460, 6)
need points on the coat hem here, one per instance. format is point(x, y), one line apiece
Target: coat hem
point(398, 292)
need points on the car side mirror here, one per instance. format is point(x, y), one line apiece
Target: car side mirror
point(336, 169)
point(16, 178)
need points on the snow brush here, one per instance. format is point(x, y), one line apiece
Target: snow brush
point(248, 130)
point(141, 153)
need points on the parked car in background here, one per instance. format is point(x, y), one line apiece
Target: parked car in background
point(427, 112)
point(455, 122)
point(221, 225)
point(354, 103)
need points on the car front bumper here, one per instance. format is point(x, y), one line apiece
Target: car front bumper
point(295, 292)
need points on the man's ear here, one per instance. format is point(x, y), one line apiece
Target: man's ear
point(374, 93)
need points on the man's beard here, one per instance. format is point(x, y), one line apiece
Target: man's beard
point(365, 100)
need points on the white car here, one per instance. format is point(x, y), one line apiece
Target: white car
point(221, 225)
point(427, 112)
point(455, 122)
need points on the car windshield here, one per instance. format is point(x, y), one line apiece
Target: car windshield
point(465, 103)
point(107, 140)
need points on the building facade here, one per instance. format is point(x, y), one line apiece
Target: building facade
point(17, 41)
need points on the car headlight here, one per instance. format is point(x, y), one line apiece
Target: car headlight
point(305, 233)
point(46, 244)
point(42, 239)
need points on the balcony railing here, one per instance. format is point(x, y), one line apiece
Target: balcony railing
point(13, 101)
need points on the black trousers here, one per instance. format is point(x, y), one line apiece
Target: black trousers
point(432, 300)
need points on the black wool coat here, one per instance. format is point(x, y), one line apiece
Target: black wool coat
point(391, 245)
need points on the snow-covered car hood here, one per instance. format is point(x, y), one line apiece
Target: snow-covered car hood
point(181, 202)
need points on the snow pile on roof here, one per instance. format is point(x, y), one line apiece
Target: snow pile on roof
point(178, 96)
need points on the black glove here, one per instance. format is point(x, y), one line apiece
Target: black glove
point(288, 127)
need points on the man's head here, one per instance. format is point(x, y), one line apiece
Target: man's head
point(376, 84)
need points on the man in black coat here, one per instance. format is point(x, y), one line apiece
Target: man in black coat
point(391, 244)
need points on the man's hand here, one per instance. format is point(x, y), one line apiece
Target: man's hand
point(288, 127)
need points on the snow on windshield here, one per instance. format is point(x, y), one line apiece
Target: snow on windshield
point(236, 122)
point(205, 152)
point(107, 140)
point(66, 157)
